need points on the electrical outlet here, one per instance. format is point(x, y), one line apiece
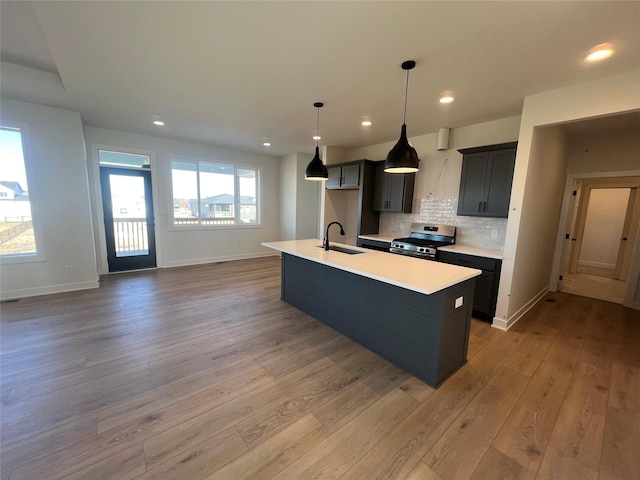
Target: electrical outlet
point(459, 302)
point(189, 250)
point(69, 268)
point(494, 233)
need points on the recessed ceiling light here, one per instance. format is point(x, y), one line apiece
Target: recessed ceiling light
point(158, 123)
point(599, 53)
point(266, 144)
point(316, 137)
point(366, 123)
point(446, 97)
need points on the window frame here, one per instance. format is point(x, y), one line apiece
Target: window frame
point(236, 201)
point(34, 203)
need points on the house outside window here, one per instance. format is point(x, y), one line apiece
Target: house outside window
point(213, 194)
point(19, 238)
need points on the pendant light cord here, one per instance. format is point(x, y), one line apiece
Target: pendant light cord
point(318, 127)
point(406, 94)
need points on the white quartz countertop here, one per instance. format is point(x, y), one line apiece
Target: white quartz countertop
point(415, 274)
point(467, 250)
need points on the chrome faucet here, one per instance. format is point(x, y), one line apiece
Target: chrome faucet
point(325, 242)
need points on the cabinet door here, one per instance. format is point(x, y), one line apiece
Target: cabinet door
point(350, 176)
point(335, 174)
point(499, 180)
point(392, 191)
point(483, 293)
point(380, 193)
point(472, 184)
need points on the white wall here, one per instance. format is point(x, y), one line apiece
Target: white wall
point(192, 246)
point(437, 182)
point(539, 214)
point(601, 97)
point(287, 198)
point(299, 198)
point(61, 192)
point(603, 227)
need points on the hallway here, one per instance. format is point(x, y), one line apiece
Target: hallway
point(595, 283)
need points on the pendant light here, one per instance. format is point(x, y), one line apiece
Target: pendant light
point(403, 158)
point(316, 170)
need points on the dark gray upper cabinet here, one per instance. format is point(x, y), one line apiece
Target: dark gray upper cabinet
point(485, 183)
point(346, 176)
point(393, 191)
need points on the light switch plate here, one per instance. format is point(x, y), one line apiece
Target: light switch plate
point(459, 302)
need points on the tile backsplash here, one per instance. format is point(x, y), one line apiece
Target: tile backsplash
point(472, 231)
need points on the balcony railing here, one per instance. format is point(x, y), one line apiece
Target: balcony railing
point(130, 235)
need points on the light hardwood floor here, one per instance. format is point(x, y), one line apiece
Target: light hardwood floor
point(203, 373)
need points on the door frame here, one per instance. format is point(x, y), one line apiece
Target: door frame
point(97, 206)
point(133, 262)
point(631, 219)
point(564, 229)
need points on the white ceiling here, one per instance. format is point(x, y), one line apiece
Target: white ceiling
point(236, 73)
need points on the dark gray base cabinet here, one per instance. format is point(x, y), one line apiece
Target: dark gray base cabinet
point(423, 334)
point(486, 288)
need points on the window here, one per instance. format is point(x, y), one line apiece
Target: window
point(214, 194)
point(17, 235)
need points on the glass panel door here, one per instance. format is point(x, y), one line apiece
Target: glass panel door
point(128, 217)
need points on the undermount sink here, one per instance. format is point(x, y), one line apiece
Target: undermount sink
point(348, 251)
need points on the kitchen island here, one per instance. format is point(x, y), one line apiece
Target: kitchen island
point(414, 312)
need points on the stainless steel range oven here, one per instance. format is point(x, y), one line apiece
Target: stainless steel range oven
point(424, 240)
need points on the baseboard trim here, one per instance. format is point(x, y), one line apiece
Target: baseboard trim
point(48, 290)
point(587, 263)
point(502, 324)
point(225, 258)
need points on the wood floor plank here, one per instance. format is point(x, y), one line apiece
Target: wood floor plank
point(497, 466)
point(306, 392)
point(199, 460)
point(62, 463)
point(526, 358)
point(358, 396)
point(239, 384)
point(275, 454)
point(422, 472)
point(625, 388)
point(334, 456)
point(579, 430)
point(556, 465)
point(620, 446)
point(200, 428)
point(124, 465)
point(526, 431)
point(417, 389)
point(471, 434)
point(15, 454)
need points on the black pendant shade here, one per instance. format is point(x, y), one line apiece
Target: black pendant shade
point(403, 158)
point(316, 170)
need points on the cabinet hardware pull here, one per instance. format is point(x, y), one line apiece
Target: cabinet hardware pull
point(484, 209)
point(479, 206)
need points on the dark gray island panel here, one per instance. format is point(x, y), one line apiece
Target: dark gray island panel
point(425, 335)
